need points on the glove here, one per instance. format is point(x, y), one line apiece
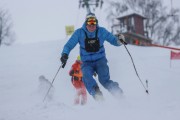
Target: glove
point(64, 59)
point(122, 39)
point(76, 78)
point(95, 74)
point(71, 73)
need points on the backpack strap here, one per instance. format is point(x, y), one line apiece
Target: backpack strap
point(95, 36)
point(85, 33)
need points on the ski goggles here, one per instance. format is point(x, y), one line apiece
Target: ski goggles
point(91, 21)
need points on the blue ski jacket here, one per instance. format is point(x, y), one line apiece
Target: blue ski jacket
point(79, 37)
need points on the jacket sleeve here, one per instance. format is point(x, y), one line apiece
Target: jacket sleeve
point(109, 37)
point(72, 42)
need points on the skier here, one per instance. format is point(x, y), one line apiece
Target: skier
point(91, 38)
point(77, 82)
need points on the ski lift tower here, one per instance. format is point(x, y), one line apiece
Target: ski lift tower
point(90, 3)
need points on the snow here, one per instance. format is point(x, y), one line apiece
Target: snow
point(22, 94)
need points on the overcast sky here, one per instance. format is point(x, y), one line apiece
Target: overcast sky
point(43, 20)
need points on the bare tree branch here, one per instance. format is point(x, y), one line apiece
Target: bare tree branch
point(6, 33)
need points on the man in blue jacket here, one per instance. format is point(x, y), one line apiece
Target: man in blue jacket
point(91, 38)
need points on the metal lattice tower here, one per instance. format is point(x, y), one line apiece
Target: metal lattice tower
point(89, 4)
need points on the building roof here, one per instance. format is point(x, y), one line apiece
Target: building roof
point(133, 14)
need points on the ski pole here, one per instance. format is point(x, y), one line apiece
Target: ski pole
point(147, 84)
point(136, 70)
point(52, 82)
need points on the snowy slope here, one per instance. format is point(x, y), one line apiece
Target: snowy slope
point(21, 92)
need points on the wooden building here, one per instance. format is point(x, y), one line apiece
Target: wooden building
point(132, 26)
